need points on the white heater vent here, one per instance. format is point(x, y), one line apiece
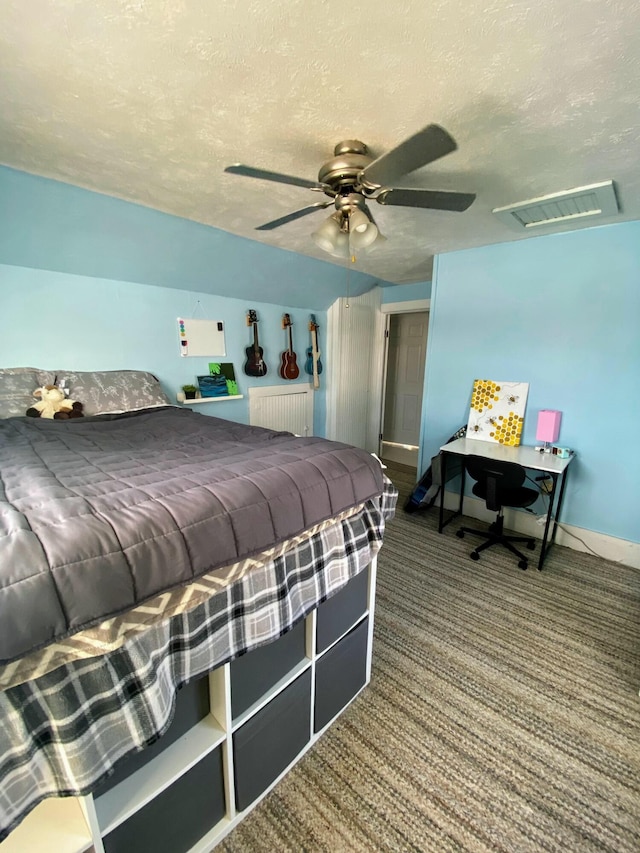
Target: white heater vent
point(581, 203)
point(283, 408)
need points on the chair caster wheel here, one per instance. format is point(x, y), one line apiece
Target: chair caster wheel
point(474, 555)
point(531, 544)
point(523, 565)
point(460, 534)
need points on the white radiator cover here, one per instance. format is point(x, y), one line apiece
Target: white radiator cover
point(282, 407)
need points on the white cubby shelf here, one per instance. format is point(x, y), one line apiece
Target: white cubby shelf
point(243, 726)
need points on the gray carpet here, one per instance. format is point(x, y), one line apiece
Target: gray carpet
point(503, 712)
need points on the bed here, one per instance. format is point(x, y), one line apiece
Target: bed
point(148, 553)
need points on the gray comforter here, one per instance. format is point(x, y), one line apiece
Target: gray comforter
point(99, 514)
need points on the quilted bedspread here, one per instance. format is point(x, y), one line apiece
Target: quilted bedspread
point(99, 514)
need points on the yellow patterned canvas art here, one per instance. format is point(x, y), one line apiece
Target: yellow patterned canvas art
point(497, 411)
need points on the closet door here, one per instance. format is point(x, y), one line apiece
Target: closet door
point(354, 370)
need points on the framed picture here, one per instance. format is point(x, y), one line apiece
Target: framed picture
point(219, 382)
point(497, 411)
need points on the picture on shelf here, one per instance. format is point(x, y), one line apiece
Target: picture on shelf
point(220, 382)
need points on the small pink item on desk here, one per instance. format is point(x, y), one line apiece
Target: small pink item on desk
point(548, 428)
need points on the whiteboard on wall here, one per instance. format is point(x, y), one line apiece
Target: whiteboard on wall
point(201, 337)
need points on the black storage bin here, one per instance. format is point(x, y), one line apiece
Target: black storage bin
point(178, 817)
point(340, 673)
point(267, 743)
point(338, 613)
point(253, 674)
point(192, 705)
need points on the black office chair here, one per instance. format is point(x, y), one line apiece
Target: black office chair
point(499, 484)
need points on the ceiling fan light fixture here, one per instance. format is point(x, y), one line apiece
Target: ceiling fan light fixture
point(341, 249)
point(327, 236)
point(359, 237)
point(352, 179)
point(358, 221)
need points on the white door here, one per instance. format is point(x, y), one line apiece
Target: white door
point(406, 356)
point(353, 370)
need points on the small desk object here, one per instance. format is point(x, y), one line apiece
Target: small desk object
point(528, 457)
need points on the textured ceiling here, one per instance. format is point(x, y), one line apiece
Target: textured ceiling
point(149, 100)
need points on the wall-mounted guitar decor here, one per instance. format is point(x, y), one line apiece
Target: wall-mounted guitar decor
point(289, 367)
point(313, 365)
point(255, 365)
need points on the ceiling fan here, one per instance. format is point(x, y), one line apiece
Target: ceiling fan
point(352, 178)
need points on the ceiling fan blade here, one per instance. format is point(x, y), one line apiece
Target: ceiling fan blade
point(290, 217)
point(435, 199)
point(429, 144)
point(278, 177)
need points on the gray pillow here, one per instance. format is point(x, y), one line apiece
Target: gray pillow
point(17, 385)
point(104, 392)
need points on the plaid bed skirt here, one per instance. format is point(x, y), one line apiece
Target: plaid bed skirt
point(62, 733)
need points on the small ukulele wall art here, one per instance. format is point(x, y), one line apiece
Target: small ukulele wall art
point(313, 365)
point(288, 361)
point(255, 365)
point(497, 411)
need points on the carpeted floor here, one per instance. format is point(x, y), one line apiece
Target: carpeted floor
point(503, 712)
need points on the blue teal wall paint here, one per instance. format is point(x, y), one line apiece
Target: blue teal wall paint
point(46, 224)
point(561, 312)
point(406, 292)
point(56, 320)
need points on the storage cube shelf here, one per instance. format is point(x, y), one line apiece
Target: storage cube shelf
point(192, 706)
point(339, 673)
point(135, 791)
point(254, 674)
point(336, 615)
point(178, 816)
point(270, 741)
point(273, 691)
point(222, 754)
point(56, 824)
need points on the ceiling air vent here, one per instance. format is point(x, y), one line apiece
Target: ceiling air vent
point(571, 205)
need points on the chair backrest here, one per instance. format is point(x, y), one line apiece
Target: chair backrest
point(496, 477)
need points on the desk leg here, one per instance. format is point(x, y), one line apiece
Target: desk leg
point(443, 469)
point(441, 522)
point(552, 515)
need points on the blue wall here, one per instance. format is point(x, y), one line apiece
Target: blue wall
point(92, 282)
point(561, 312)
point(57, 320)
point(49, 225)
point(406, 292)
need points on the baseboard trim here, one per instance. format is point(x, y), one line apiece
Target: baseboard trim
point(605, 546)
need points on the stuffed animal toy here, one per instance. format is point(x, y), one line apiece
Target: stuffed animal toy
point(53, 404)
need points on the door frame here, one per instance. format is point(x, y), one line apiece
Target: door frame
point(412, 306)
